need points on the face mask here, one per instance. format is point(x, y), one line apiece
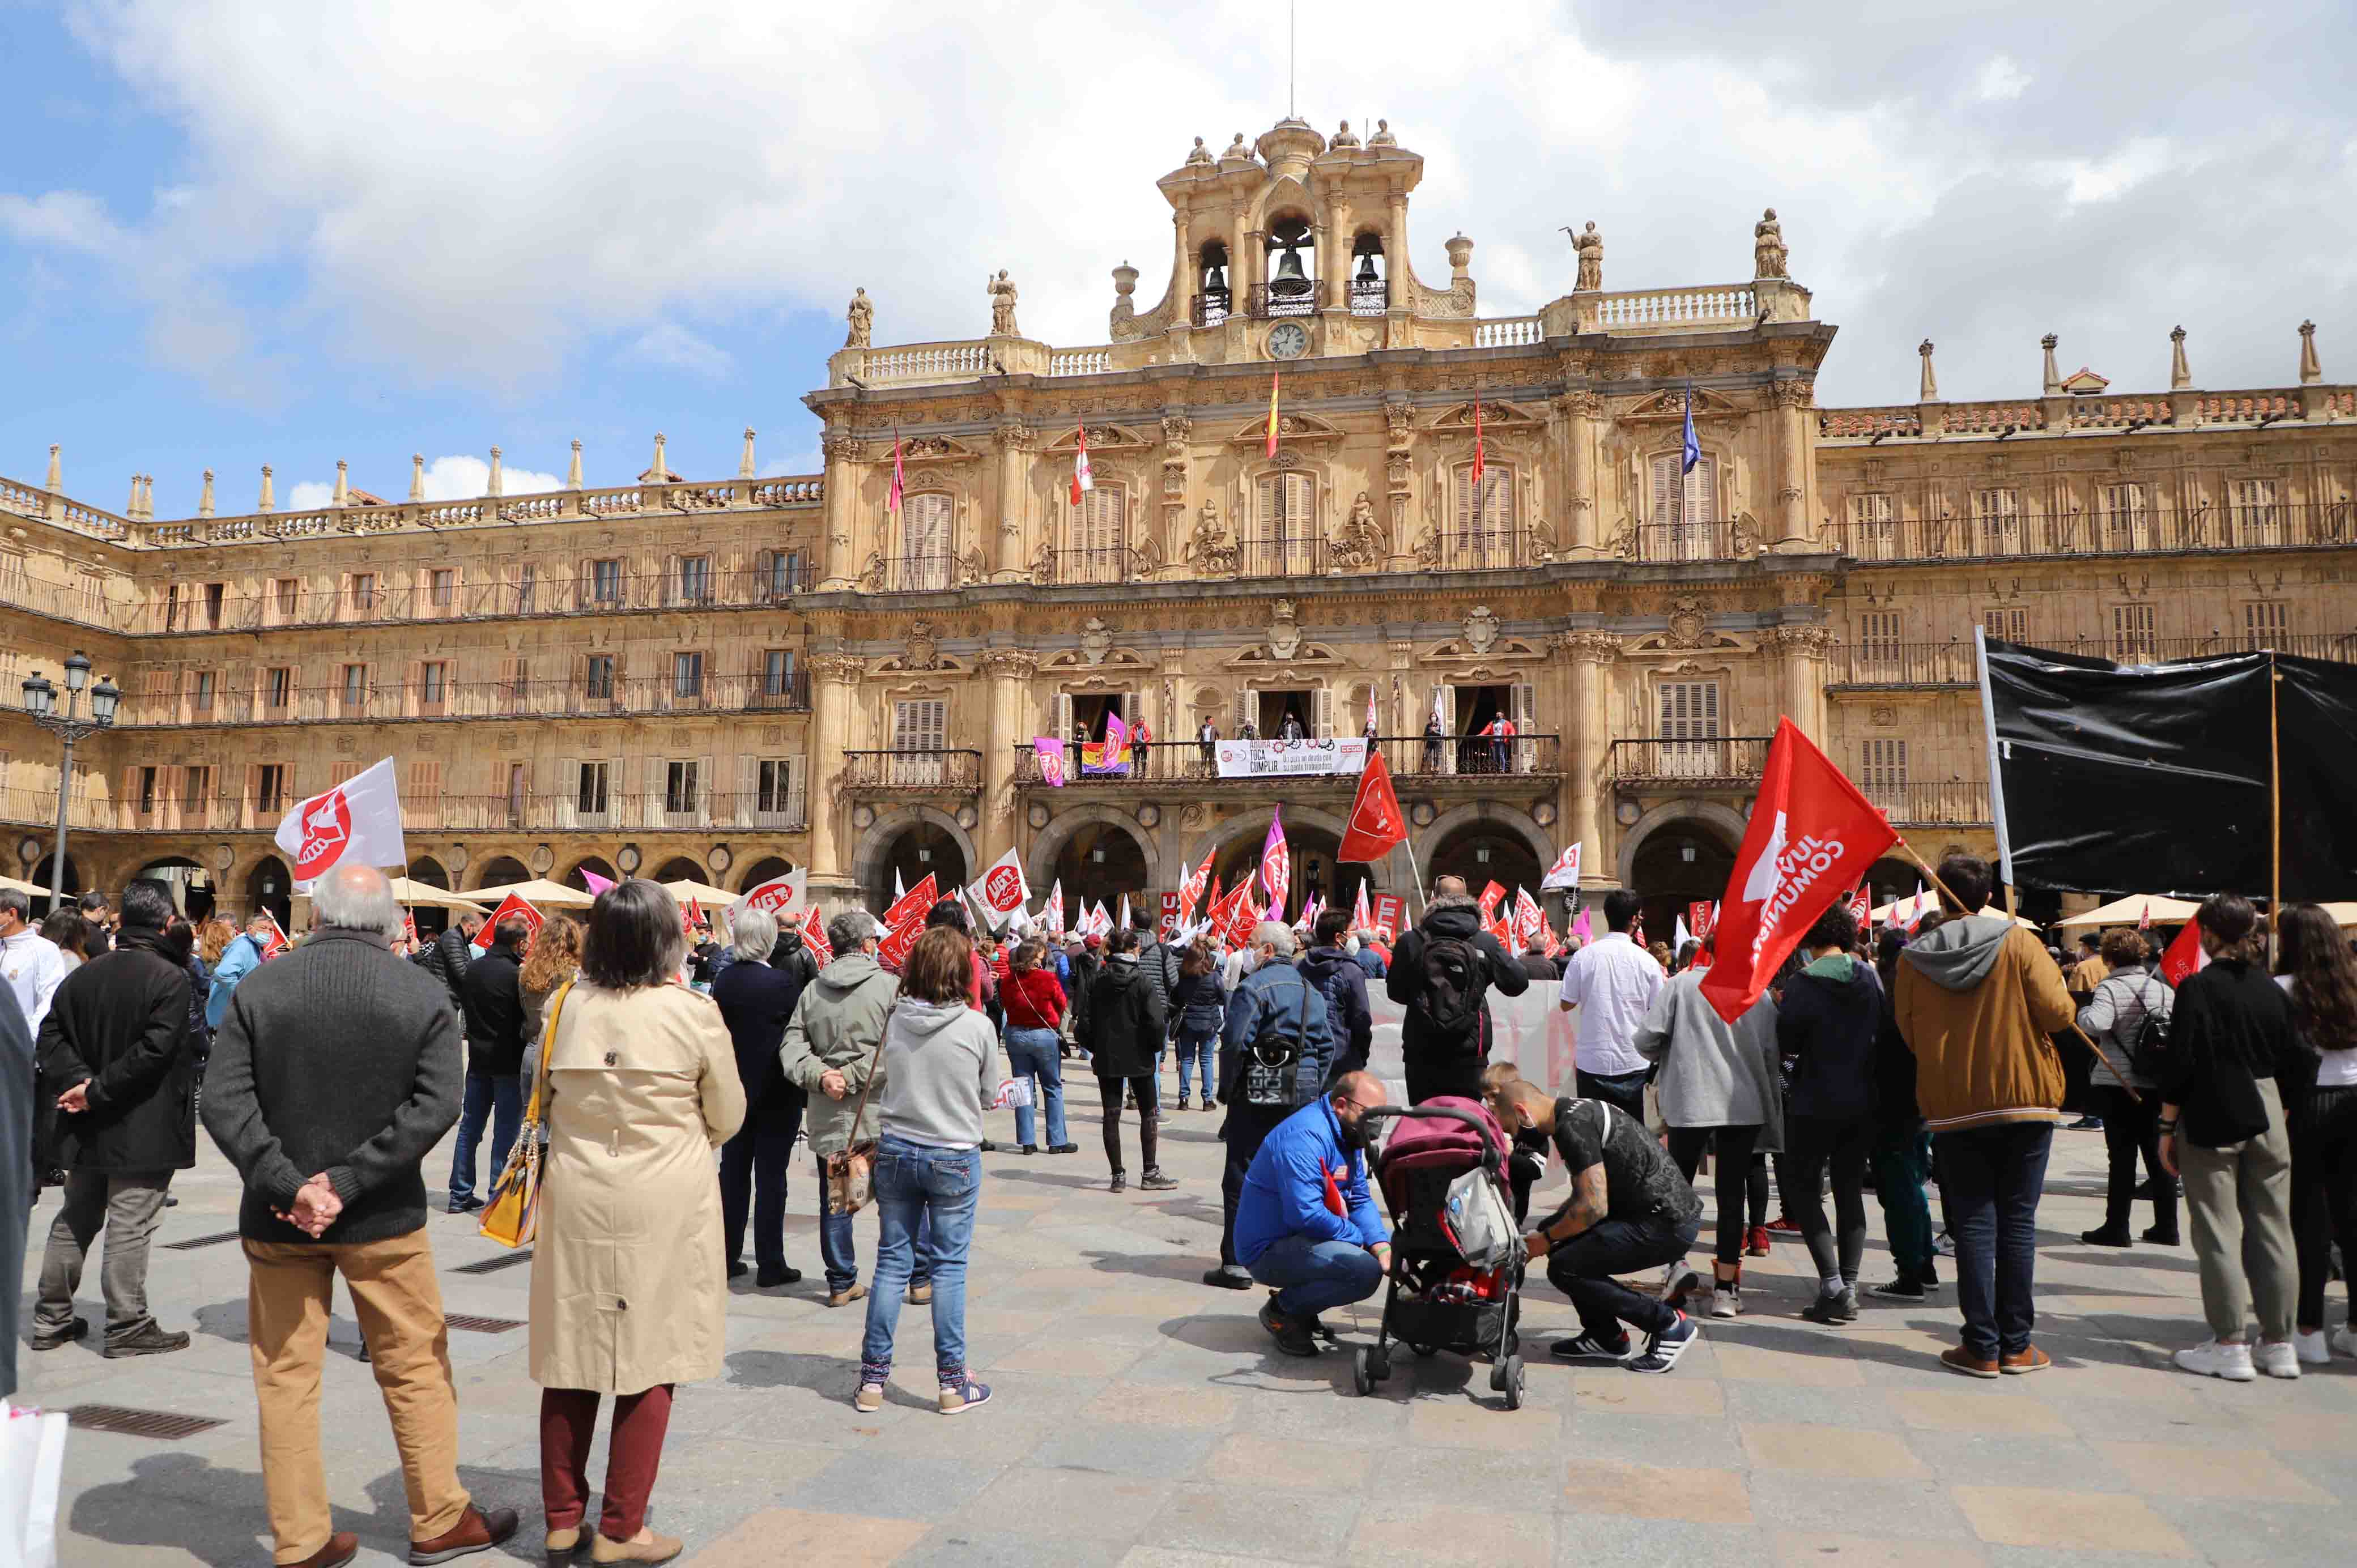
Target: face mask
point(1252, 962)
point(1358, 1133)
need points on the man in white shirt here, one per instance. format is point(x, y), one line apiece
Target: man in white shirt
point(1612, 981)
point(30, 961)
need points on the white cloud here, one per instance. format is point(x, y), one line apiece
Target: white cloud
point(309, 495)
point(672, 347)
point(2000, 81)
point(488, 194)
point(463, 477)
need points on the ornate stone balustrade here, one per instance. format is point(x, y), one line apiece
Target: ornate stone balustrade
point(2056, 415)
point(1508, 332)
point(1716, 308)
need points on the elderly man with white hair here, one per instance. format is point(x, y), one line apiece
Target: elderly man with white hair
point(756, 1000)
point(1273, 1054)
point(335, 1072)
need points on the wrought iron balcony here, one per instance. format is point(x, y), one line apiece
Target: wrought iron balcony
point(1291, 297)
point(953, 772)
point(1429, 761)
point(1725, 762)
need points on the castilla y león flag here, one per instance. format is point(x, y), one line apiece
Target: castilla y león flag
point(357, 822)
point(1812, 838)
point(1376, 825)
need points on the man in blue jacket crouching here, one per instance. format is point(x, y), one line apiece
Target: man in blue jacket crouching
point(1307, 1224)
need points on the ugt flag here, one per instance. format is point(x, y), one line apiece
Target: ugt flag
point(1565, 872)
point(780, 894)
point(1002, 891)
point(357, 822)
point(1812, 839)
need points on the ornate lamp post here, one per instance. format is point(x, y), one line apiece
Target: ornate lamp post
point(40, 702)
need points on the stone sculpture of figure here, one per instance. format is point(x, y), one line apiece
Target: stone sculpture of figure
point(1201, 155)
point(1591, 260)
point(863, 317)
point(1002, 305)
point(1209, 551)
point(1383, 136)
point(1342, 138)
point(1768, 247)
point(1361, 541)
point(1236, 149)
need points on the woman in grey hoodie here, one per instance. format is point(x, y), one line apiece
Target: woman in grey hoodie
point(936, 1079)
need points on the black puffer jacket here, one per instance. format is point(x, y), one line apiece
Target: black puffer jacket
point(1123, 1026)
point(1828, 1025)
point(447, 960)
point(1403, 983)
point(1339, 980)
point(120, 1023)
point(793, 954)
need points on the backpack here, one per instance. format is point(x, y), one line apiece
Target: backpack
point(2148, 1057)
point(1448, 1003)
point(1272, 1073)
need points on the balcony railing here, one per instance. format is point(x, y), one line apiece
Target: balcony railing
point(1697, 538)
point(656, 810)
point(2128, 531)
point(1425, 759)
point(948, 771)
point(379, 702)
point(1485, 552)
point(1267, 554)
point(1370, 298)
point(1294, 297)
point(934, 574)
point(1954, 803)
point(1209, 307)
point(1731, 760)
point(1901, 664)
point(1097, 564)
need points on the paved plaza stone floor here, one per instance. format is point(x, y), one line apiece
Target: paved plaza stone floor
point(1143, 1419)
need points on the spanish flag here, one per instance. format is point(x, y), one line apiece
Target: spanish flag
point(1272, 412)
point(1478, 464)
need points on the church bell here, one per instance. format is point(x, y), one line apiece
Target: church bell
point(1367, 270)
point(1288, 268)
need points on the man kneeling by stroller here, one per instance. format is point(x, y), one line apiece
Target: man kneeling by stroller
point(1307, 1223)
point(1630, 1211)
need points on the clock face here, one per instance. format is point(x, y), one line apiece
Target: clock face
point(1289, 340)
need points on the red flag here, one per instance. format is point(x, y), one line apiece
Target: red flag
point(691, 916)
point(1701, 917)
point(1502, 931)
point(1376, 824)
point(2184, 958)
point(1190, 889)
point(1861, 908)
point(1487, 902)
point(2144, 916)
point(277, 944)
point(1478, 464)
point(814, 936)
point(409, 925)
point(893, 496)
point(1084, 477)
point(512, 905)
point(1812, 836)
point(916, 903)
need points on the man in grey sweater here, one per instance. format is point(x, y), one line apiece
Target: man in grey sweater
point(335, 1072)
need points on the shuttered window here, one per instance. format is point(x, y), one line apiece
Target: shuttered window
point(1883, 763)
point(2125, 515)
point(1685, 506)
point(1283, 541)
point(1879, 636)
point(1690, 710)
point(1873, 527)
point(1484, 517)
point(1997, 513)
point(590, 788)
point(924, 542)
point(2007, 624)
point(2263, 624)
point(920, 725)
point(2132, 633)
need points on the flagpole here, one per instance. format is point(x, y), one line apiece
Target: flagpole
point(2275, 813)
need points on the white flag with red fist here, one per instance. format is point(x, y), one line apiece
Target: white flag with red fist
point(356, 822)
point(1001, 892)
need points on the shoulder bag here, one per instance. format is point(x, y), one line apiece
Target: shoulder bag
point(851, 1170)
point(511, 1216)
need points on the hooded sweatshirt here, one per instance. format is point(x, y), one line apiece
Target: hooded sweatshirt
point(1827, 1022)
point(937, 1074)
point(837, 1025)
point(1976, 1002)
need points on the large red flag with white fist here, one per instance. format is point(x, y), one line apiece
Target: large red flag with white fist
point(1812, 839)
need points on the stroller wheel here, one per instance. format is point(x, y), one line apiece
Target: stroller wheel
point(1498, 1375)
point(1513, 1382)
point(1378, 1362)
point(1361, 1376)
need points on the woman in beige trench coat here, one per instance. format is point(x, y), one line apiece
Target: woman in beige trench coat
point(628, 1294)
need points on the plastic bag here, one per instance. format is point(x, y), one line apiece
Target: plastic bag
point(32, 1463)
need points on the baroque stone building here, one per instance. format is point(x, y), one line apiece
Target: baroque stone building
point(721, 679)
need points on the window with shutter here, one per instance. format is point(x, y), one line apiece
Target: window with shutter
point(363, 596)
point(289, 594)
point(270, 787)
point(1882, 774)
point(606, 582)
point(2257, 518)
point(518, 792)
point(196, 796)
point(1999, 514)
point(2125, 517)
point(433, 686)
point(590, 792)
point(278, 688)
point(420, 797)
point(1483, 535)
point(597, 677)
point(1099, 535)
point(2132, 633)
point(1690, 728)
point(2264, 625)
point(775, 791)
point(695, 579)
point(1321, 712)
point(1686, 508)
point(1283, 541)
point(1878, 634)
point(686, 677)
point(441, 590)
point(920, 730)
point(2008, 623)
point(924, 564)
point(527, 579)
point(201, 693)
point(679, 787)
point(1873, 527)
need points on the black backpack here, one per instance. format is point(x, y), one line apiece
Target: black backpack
point(1448, 1003)
point(2148, 1057)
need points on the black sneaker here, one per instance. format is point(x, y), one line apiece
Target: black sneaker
point(1154, 1181)
point(1120, 1183)
point(1063, 1148)
point(2084, 1124)
point(1228, 1276)
point(150, 1340)
point(2102, 1236)
point(1588, 1349)
point(465, 1205)
point(1827, 1308)
point(1901, 1289)
point(1031, 1148)
point(1663, 1349)
point(1292, 1337)
point(771, 1279)
point(51, 1339)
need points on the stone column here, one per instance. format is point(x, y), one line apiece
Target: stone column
point(839, 564)
point(1796, 485)
point(837, 676)
point(1587, 740)
point(1013, 444)
point(1578, 412)
point(1009, 670)
point(1398, 310)
point(1802, 649)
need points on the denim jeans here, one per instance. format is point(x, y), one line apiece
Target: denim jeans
point(1900, 1166)
point(1035, 1054)
point(839, 1254)
point(1197, 1049)
point(495, 1097)
point(1990, 1179)
point(753, 1179)
point(915, 1183)
point(1310, 1276)
point(1583, 1269)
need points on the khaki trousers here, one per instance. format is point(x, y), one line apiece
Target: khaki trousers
point(399, 1304)
point(2239, 1198)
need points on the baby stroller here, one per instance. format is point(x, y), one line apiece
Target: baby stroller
point(1457, 1256)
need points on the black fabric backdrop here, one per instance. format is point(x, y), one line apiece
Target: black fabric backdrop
point(2154, 778)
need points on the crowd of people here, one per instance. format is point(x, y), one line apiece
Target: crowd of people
point(1879, 1061)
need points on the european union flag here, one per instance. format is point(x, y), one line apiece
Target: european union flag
point(1693, 452)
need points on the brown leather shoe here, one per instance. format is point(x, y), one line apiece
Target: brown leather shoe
point(846, 1296)
point(341, 1548)
point(644, 1547)
point(475, 1531)
point(2031, 1359)
point(1960, 1359)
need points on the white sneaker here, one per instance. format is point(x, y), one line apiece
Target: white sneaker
point(2276, 1359)
point(2211, 1360)
point(1726, 1301)
point(2313, 1349)
point(2344, 1339)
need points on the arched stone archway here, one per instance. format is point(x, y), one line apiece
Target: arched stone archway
point(1483, 849)
point(191, 884)
point(1103, 860)
point(1090, 822)
point(500, 870)
point(429, 871)
point(873, 861)
point(679, 868)
point(38, 876)
point(761, 871)
point(596, 862)
point(269, 885)
point(1680, 852)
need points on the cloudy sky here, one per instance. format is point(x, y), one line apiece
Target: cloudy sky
point(244, 231)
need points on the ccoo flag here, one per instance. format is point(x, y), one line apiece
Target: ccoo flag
point(1376, 824)
point(357, 822)
point(1812, 836)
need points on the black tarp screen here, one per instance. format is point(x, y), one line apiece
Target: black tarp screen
point(2154, 778)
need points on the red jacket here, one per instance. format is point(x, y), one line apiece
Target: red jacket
point(1033, 999)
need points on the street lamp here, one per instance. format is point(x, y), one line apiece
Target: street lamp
point(40, 703)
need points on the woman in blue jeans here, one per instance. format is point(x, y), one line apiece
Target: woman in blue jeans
point(1035, 1003)
point(1200, 1004)
point(937, 1073)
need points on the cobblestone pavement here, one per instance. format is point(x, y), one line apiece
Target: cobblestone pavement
point(1143, 1419)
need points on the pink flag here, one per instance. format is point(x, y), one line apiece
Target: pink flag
point(1276, 864)
point(1579, 927)
point(596, 882)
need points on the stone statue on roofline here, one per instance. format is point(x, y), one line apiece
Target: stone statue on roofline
point(1002, 306)
point(1767, 252)
point(1590, 245)
point(1201, 155)
point(862, 316)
